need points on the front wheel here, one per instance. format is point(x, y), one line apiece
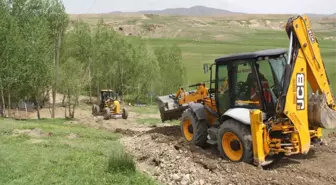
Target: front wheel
point(107, 113)
point(235, 141)
point(193, 130)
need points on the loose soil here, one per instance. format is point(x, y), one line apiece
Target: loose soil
point(162, 153)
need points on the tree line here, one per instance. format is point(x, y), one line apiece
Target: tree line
point(43, 51)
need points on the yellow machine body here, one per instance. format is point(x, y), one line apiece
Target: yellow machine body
point(285, 122)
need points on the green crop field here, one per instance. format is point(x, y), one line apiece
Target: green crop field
point(196, 53)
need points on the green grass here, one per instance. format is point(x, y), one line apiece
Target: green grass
point(148, 121)
point(151, 109)
point(95, 157)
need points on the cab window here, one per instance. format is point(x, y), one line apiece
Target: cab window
point(222, 86)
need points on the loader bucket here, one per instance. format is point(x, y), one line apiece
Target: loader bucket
point(169, 108)
point(320, 114)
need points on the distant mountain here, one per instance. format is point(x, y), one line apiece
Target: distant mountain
point(314, 15)
point(192, 11)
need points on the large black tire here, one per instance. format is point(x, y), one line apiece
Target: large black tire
point(193, 130)
point(107, 113)
point(235, 141)
point(124, 113)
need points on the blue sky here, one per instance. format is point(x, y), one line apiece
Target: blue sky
point(247, 6)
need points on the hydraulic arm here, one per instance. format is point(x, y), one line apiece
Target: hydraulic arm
point(299, 118)
point(305, 64)
point(305, 40)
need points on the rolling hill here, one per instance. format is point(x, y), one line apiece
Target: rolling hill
point(192, 11)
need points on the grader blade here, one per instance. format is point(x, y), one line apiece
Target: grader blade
point(320, 114)
point(169, 108)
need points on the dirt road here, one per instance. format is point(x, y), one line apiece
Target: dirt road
point(162, 153)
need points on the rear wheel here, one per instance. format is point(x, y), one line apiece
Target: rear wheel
point(235, 141)
point(124, 113)
point(193, 130)
point(95, 109)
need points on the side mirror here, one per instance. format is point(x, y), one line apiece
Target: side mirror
point(206, 68)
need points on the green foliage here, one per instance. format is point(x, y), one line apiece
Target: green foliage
point(27, 36)
point(172, 70)
point(129, 67)
point(74, 78)
point(33, 37)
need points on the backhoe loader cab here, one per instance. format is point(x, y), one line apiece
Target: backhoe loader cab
point(253, 81)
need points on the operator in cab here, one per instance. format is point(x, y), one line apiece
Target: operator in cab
point(115, 106)
point(253, 86)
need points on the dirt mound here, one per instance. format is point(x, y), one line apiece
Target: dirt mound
point(162, 153)
point(128, 29)
point(153, 27)
point(258, 24)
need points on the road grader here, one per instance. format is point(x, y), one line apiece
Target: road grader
point(257, 106)
point(109, 106)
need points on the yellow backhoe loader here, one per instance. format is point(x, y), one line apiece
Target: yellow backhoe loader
point(257, 106)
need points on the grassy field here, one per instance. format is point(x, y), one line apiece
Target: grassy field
point(196, 53)
point(73, 154)
point(152, 109)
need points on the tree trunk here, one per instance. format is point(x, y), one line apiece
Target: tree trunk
point(69, 103)
point(90, 84)
point(65, 108)
point(73, 108)
point(26, 109)
point(9, 104)
point(38, 110)
point(122, 85)
point(98, 91)
point(73, 111)
point(54, 83)
point(63, 100)
point(57, 54)
point(3, 108)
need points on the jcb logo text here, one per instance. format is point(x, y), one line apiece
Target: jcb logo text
point(311, 36)
point(300, 91)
